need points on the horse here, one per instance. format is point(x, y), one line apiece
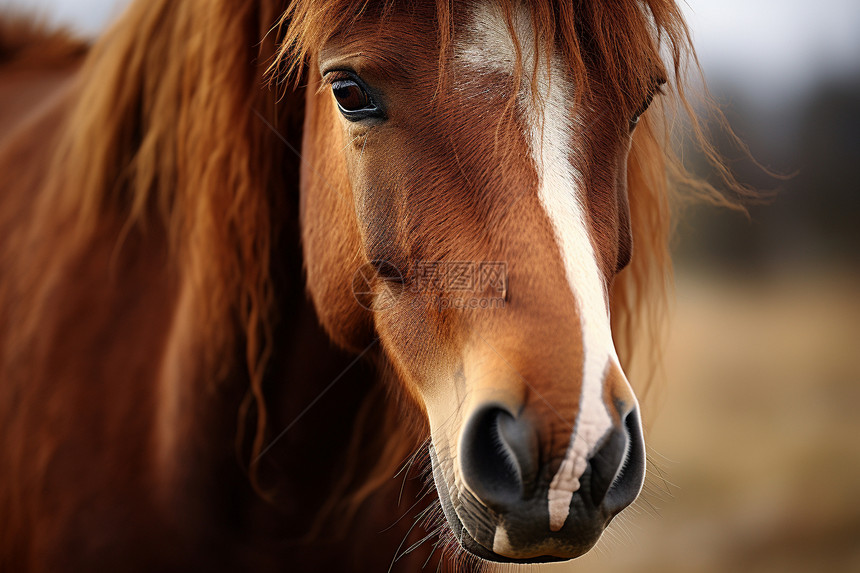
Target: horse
point(257, 256)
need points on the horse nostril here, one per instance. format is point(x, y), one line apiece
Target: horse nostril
point(618, 467)
point(498, 456)
point(605, 464)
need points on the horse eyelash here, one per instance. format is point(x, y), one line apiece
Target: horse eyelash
point(327, 81)
point(335, 75)
point(329, 78)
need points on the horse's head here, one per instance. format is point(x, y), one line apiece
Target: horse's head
point(464, 200)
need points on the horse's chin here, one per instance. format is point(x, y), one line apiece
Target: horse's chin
point(468, 543)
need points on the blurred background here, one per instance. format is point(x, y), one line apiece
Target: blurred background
point(756, 429)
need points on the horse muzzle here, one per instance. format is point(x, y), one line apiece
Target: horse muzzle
point(499, 509)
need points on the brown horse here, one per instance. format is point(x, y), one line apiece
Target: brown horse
point(471, 190)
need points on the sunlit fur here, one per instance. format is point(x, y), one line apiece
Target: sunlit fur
point(162, 147)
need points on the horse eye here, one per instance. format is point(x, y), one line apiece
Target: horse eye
point(657, 89)
point(642, 109)
point(351, 97)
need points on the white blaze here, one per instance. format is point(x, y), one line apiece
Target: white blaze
point(550, 136)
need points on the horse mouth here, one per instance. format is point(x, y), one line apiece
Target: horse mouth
point(470, 544)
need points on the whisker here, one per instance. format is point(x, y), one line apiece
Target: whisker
point(363, 144)
point(397, 551)
point(435, 547)
point(405, 513)
point(350, 142)
point(417, 544)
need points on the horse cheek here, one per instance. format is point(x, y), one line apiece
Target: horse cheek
point(331, 242)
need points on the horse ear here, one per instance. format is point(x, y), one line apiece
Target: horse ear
point(333, 254)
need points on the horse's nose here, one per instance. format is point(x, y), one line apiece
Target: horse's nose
point(501, 464)
point(618, 466)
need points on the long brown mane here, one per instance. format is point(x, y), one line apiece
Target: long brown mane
point(135, 144)
point(172, 136)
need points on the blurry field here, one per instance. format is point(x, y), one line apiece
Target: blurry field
point(761, 429)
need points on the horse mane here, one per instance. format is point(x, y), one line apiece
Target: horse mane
point(167, 130)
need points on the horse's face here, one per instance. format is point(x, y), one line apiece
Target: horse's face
point(488, 246)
